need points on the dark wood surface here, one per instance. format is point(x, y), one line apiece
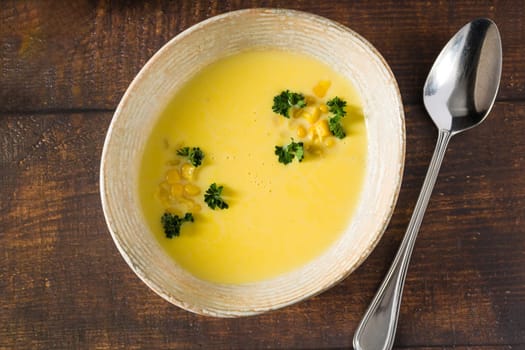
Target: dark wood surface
point(63, 285)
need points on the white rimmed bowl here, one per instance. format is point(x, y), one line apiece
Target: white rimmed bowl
point(168, 70)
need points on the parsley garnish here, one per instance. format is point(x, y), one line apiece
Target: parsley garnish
point(287, 153)
point(337, 107)
point(336, 128)
point(172, 223)
point(286, 100)
point(194, 154)
point(212, 197)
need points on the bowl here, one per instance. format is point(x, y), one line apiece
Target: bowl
point(167, 71)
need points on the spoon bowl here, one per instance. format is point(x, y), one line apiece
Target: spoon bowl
point(459, 93)
point(463, 82)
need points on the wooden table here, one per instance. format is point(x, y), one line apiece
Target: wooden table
point(63, 285)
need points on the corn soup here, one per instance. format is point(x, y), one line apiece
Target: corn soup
point(256, 165)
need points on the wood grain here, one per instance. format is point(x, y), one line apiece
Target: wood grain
point(63, 69)
point(64, 285)
point(83, 54)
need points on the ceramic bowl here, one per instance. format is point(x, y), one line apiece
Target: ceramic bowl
point(168, 70)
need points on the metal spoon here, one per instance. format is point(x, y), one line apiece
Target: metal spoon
point(458, 94)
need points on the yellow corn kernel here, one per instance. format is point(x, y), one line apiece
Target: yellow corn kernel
point(161, 194)
point(323, 108)
point(321, 88)
point(301, 131)
point(311, 132)
point(296, 113)
point(177, 190)
point(172, 176)
point(312, 118)
point(329, 142)
point(306, 115)
point(196, 208)
point(187, 171)
point(188, 203)
point(316, 113)
point(322, 129)
point(191, 190)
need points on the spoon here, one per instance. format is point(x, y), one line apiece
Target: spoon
point(459, 93)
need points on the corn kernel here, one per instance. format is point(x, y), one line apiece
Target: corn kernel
point(196, 208)
point(191, 190)
point(312, 118)
point(177, 190)
point(161, 194)
point(187, 171)
point(321, 88)
point(301, 131)
point(188, 203)
point(311, 132)
point(323, 108)
point(172, 176)
point(306, 115)
point(322, 129)
point(329, 142)
point(297, 113)
point(316, 113)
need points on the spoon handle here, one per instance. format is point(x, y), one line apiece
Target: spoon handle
point(378, 326)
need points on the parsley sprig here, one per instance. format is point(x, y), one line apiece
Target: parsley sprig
point(286, 100)
point(336, 106)
point(172, 223)
point(213, 198)
point(287, 153)
point(194, 154)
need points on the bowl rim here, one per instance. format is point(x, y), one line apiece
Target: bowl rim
point(374, 239)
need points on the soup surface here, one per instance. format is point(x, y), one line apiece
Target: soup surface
point(279, 216)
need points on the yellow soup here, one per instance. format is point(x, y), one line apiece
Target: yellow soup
point(280, 216)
